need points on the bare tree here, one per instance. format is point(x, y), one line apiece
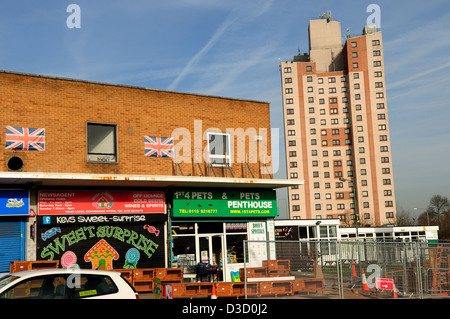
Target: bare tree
point(439, 207)
point(404, 218)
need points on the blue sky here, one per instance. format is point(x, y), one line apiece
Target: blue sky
point(231, 48)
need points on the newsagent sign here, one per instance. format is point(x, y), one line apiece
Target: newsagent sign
point(193, 202)
point(100, 202)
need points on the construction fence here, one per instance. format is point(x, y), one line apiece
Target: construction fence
point(349, 269)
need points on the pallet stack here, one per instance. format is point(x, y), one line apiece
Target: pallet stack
point(143, 279)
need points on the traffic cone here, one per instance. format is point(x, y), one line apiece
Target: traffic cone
point(213, 294)
point(354, 270)
point(365, 286)
point(395, 290)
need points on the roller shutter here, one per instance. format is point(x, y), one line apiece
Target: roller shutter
point(11, 243)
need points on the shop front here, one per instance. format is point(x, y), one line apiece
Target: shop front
point(210, 226)
point(102, 229)
point(14, 212)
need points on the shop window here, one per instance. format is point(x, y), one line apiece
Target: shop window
point(302, 232)
point(235, 227)
point(312, 232)
point(333, 231)
point(210, 228)
point(184, 253)
point(101, 143)
point(183, 229)
point(235, 248)
point(219, 149)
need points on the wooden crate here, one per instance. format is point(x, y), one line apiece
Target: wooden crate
point(205, 288)
point(314, 284)
point(144, 273)
point(160, 272)
point(178, 290)
point(173, 275)
point(277, 267)
point(224, 289)
point(265, 288)
point(191, 289)
point(282, 288)
point(238, 289)
point(282, 265)
point(253, 272)
point(298, 285)
point(198, 289)
point(144, 285)
point(143, 279)
point(126, 274)
point(16, 266)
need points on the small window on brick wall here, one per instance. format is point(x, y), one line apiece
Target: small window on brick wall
point(101, 143)
point(219, 148)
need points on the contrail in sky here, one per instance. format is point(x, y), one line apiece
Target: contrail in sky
point(229, 21)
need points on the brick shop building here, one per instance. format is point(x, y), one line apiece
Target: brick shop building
point(110, 176)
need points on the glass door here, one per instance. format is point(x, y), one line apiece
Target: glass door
point(210, 249)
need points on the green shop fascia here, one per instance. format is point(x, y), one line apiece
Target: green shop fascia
point(221, 216)
point(224, 203)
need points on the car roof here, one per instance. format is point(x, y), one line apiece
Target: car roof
point(62, 271)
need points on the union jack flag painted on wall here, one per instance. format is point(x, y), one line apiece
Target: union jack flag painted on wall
point(26, 139)
point(158, 146)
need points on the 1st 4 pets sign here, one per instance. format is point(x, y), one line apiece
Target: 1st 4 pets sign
point(224, 203)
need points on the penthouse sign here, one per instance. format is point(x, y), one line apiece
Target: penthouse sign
point(100, 202)
point(224, 203)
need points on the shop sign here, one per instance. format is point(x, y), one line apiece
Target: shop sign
point(257, 247)
point(101, 246)
point(224, 203)
point(100, 202)
point(98, 219)
point(14, 202)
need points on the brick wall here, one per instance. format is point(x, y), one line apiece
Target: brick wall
point(64, 106)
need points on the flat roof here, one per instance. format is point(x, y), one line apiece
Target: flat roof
point(127, 86)
point(124, 180)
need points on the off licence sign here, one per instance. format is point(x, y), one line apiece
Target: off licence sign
point(385, 283)
point(69, 202)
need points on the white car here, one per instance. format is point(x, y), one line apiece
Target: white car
point(66, 284)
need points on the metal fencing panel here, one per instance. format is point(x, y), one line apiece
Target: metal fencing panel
point(348, 269)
